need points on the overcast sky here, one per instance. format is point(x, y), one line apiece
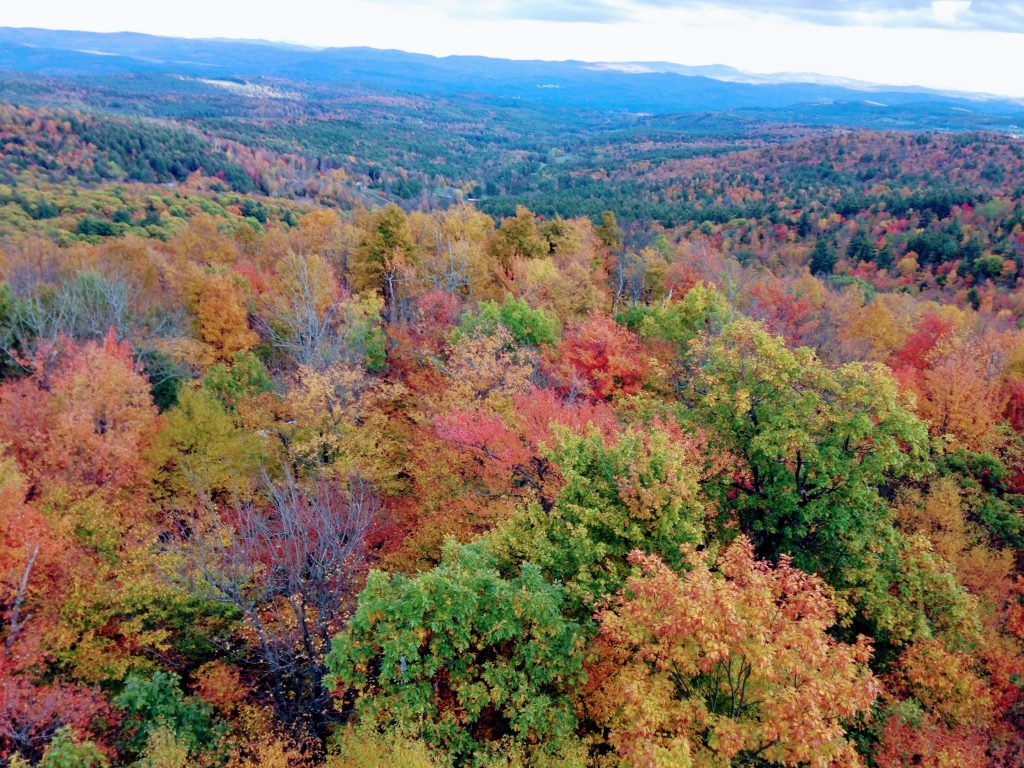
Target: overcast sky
point(975, 45)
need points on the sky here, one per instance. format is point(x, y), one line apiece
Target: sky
point(970, 45)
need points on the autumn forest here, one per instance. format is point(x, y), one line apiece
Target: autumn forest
point(348, 426)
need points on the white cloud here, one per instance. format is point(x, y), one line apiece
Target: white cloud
point(996, 15)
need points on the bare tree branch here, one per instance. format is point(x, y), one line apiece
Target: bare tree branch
point(289, 563)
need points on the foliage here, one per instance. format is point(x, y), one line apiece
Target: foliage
point(157, 709)
point(527, 326)
point(65, 751)
point(199, 447)
point(600, 359)
point(256, 350)
point(701, 311)
point(637, 492)
point(244, 379)
point(465, 659)
point(362, 749)
point(518, 239)
point(726, 667)
point(814, 447)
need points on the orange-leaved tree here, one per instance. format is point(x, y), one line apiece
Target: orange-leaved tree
point(600, 359)
point(730, 663)
point(84, 424)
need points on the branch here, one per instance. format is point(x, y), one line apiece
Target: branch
point(19, 599)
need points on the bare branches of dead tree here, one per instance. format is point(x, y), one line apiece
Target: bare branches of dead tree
point(289, 561)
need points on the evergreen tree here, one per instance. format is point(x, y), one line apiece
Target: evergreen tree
point(860, 248)
point(823, 257)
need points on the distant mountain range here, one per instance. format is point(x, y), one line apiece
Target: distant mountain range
point(656, 88)
point(732, 75)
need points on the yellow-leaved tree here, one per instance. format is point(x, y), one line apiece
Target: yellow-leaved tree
point(728, 664)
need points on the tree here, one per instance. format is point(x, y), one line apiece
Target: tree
point(636, 491)
point(917, 350)
point(462, 657)
point(608, 231)
point(456, 259)
point(530, 327)
point(960, 393)
point(30, 569)
point(203, 242)
point(157, 704)
point(488, 368)
point(823, 257)
point(945, 708)
point(638, 275)
point(301, 314)
point(16, 337)
point(320, 232)
point(509, 449)
point(599, 359)
point(87, 422)
point(241, 384)
point(726, 667)
point(362, 748)
point(32, 715)
point(221, 316)
point(517, 238)
point(382, 256)
point(65, 751)
point(783, 312)
point(84, 307)
point(860, 249)
point(287, 562)
point(198, 444)
point(813, 447)
point(700, 310)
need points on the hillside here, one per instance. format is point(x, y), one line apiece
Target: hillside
point(550, 84)
point(368, 410)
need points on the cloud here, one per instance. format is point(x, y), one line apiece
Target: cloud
point(1005, 15)
point(992, 15)
point(567, 11)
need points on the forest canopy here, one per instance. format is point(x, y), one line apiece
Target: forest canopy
point(365, 443)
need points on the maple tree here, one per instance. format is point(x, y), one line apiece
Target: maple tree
point(600, 359)
point(730, 662)
point(85, 422)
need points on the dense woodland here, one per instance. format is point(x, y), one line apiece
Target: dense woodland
point(328, 442)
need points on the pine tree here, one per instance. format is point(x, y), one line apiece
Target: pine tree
point(823, 257)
